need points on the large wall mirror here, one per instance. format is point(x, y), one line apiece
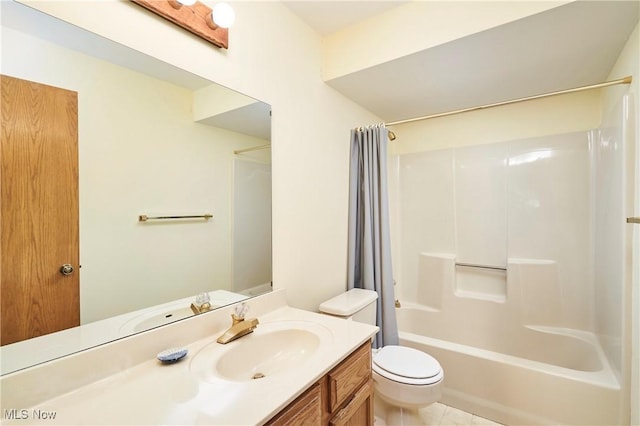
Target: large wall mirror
point(153, 140)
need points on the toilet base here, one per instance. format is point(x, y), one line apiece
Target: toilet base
point(387, 414)
point(403, 416)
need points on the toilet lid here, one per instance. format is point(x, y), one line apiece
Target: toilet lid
point(406, 363)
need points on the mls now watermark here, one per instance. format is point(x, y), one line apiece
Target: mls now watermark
point(24, 414)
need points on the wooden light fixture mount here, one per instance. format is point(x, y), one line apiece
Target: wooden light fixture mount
point(195, 19)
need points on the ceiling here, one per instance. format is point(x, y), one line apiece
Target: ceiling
point(569, 46)
point(330, 16)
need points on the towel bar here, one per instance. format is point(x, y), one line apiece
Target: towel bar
point(144, 217)
point(472, 265)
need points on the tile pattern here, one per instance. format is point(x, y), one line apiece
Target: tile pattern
point(443, 415)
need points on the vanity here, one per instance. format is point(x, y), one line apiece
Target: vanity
point(296, 367)
point(344, 396)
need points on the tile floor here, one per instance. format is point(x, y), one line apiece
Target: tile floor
point(442, 415)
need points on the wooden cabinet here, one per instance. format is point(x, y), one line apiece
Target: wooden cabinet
point(358, 411)
point(305, 410)
point(343, 397)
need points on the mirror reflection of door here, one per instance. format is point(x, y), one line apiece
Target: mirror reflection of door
point(39, 222)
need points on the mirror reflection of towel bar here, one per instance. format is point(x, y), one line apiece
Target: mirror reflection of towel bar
point(471, 265)
point(144, 217)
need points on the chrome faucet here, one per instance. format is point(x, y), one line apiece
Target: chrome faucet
point(239, 327)
point(201, 304)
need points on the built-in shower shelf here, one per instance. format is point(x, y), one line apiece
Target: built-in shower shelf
point(482, 282)
point(497, 298)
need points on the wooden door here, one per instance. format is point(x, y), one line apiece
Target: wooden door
point(39, 210)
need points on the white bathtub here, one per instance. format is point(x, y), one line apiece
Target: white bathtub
point(516, 374)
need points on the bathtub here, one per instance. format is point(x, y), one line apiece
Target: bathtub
point(515, 374)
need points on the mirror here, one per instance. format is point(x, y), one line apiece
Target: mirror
point(158, 141)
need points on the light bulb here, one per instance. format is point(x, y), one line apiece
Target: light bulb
point(223, 15)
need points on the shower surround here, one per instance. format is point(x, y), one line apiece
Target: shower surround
point(537, 341)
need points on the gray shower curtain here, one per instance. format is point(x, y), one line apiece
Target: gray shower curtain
point(369, 245)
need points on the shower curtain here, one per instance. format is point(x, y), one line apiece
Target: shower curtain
point(369, 244)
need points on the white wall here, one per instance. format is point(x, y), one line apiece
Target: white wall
point(274, 57)
point(555, 115)
point(140, 153)
point(252, 259)
point(628, 63)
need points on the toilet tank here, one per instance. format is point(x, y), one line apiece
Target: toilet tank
point(357, 304)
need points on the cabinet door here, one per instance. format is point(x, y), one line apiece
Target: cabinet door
point(306, 410)
point(349, 376)
point(359, 411)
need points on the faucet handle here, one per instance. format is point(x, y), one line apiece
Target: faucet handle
point(241, 310)
point(202, 298)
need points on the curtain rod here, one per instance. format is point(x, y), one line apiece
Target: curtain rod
point(625, 80)
point(253, 148)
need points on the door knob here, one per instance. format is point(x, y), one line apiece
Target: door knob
point(66, 269)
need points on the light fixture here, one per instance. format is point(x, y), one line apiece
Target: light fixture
point(177, 4)
point(195, 17)
point(223, 15)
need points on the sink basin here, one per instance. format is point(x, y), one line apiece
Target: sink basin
point(163, 318)
point(271, 350)
point(166, 313)
point(155, 318)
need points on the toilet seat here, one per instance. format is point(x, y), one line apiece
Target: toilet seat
point(406, 365)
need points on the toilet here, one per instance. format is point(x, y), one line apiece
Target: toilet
point(405, 379)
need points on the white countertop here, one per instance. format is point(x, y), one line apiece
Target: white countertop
point(155, 393)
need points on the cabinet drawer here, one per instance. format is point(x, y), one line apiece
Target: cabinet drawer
point(306, 410)
point(347, 377)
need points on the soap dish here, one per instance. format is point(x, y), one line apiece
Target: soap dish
point(172, 355)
